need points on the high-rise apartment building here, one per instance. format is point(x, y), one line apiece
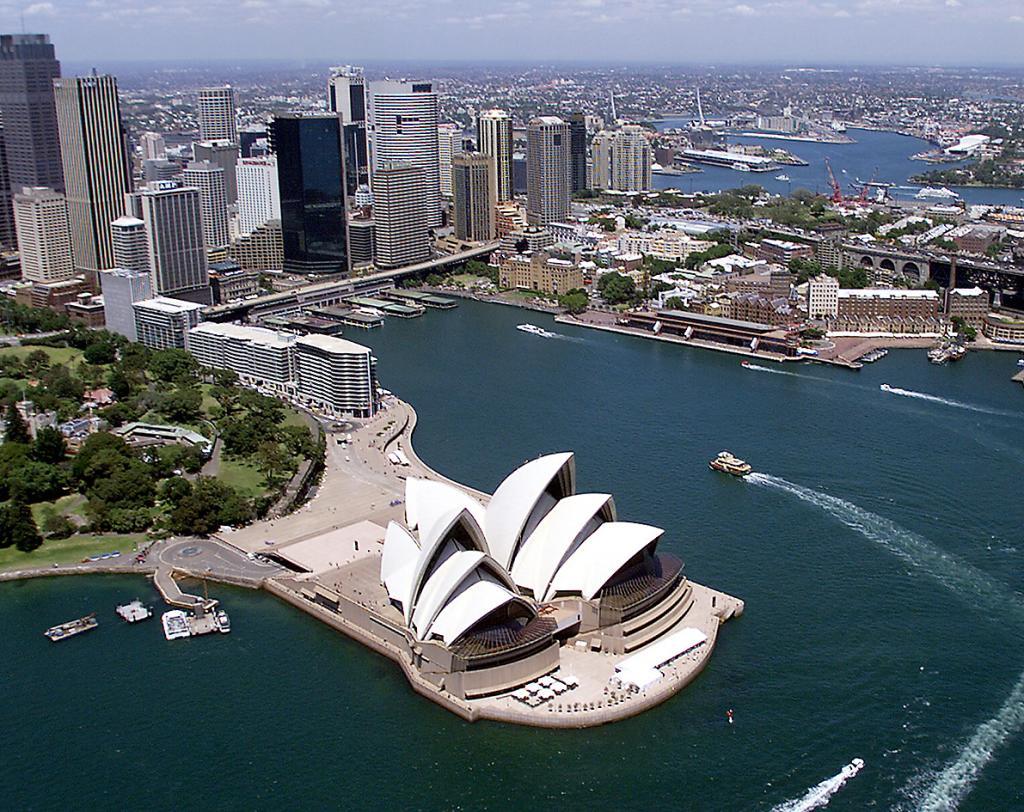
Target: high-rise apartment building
point(208, 178)
point(131, 245)
point(401, 224)
point(97, 171)
point(548, 171)
point(336, 376)
point(449, 144)
point(494, 138)
point(473, 196)
point(404, 119)
point(259, 199)
point(174, 232)
point(28, 66)
point(224, 154)
point(622, 159)
point(578, 151)
point(310, 172)
point(217, 114)
point(162, 323)
point(44, 239)
point(346, 96)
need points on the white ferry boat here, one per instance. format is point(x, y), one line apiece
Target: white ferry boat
point(740, 166)
point(533, 329)
point(175, 624)
point(784, 178)
point(932, 192)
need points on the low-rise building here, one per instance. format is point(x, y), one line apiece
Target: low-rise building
point(1004, 329)
point(87, 310)
point(540, 272)
point(230, 282)
point(969, 304)
point(782, 251)
point(896, 303)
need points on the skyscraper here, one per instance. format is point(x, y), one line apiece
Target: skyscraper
point(578, 151)
point(121, 289)
point(209, 180)
point(8, 238)
point(449, 144)
point(548, 171)
point(259, 200)
point(473, 196)
point(404, 121)
point(131, 246)
point(346, 96)
point(217, 114)
point(225, 155)
point(174, 233)
point(97, 172)
point(494, 138)
point(44, 240)
point(311, 179)
point(153, 146)
point(622, 159)
point(401, 225)
point(28, 67)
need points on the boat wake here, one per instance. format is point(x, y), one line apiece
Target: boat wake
point(820, 794)
point(945, 788)
point(969, 582)
point(949, 786)
point(758, 368)
point(958, 404)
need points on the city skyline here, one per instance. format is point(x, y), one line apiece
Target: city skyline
point(755, 31)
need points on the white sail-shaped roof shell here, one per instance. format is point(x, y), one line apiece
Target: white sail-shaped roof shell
point(600, 556)
point(468, 607)
point(436, 546)
point(426, 500)
point(462, 567)
point(518, 498)
point(557, 536)
point(398, 562)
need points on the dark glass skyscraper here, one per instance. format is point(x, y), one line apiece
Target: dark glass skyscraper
point(311, 178)
point(578, 151)
point(28, 67)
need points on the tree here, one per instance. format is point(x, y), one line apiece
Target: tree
point(211, 504)
point(616, 288)
point(173, 365)
point(120, 384)
point(175, 490)
point(17, 431)
point(36, 482)
point(36, 361)
point(18, 527)
point(575, 301)
point(183, 405)
point(99, 453)
point(56, 525)
point(272, 462)
point(101, 352)
point(49, 446)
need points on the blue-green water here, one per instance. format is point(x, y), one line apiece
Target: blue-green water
point(883, 156)
point(880, 561)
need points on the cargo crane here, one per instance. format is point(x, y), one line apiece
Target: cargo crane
point(837, 190)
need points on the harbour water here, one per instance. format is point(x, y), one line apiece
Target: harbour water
point(878, 550)
point(884, 156)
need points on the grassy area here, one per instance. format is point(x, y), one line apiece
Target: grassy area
point(58, 355)
point(467, 279)
point(242, 476)
point(293, 418)
point(69, 551)
point(67, 505)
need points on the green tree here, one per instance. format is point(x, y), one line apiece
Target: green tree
point(175, 490)
point(173, 366)
point(36, 482)
point(18, 527)
point(56, 525)
point(49, 446)
point(575, 301)
point(119, 382)
point(272, 462)
point(184, 405)
point(101, 352)
point(211, 504)
point(616, 288)
point(37, 361)
point(17, 431)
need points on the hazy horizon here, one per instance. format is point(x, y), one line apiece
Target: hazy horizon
point(754, 32)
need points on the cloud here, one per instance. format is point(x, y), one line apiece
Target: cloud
point(743, 10)
point(40, 10)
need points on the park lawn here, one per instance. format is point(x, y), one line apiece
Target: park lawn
point(70, 550)
point(209, 402)
point(72, 504)
point(58, 355)
point(293, 418)
point(243, 477)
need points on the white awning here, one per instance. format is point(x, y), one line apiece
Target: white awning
point(662, 651)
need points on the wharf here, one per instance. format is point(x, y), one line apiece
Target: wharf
point(420, 298)
point(402, 311)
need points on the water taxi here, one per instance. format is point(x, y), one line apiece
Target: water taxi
point(223, 622)
point(783, 178)
point(62, 631)
point(885, 387)
point(728, 464)
point(534, 330)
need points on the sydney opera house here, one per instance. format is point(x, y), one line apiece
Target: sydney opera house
point(487, 596)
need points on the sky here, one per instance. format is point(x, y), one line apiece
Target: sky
point(928, 32)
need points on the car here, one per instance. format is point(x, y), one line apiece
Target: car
point(268, 542)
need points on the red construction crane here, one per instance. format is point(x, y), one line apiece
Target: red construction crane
point(837, 190)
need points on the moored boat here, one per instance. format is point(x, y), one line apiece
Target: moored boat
point(62, 631)
point(175, 624)
point(134, 612)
